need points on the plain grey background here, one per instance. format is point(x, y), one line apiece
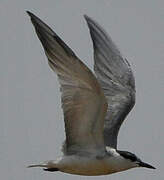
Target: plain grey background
point(31, 123)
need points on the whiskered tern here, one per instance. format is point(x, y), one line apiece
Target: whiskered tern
point(94, 106)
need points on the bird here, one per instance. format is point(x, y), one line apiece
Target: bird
point(95, 104)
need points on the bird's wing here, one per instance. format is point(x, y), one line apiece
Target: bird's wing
point(83, 102)
point(116, 79)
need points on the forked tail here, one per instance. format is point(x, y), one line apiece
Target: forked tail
point(37, 165)
point(46, 167)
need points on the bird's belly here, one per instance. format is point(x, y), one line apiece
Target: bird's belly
point(85, 166)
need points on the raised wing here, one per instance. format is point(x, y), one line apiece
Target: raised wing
point(83, 101)
point(116, 79)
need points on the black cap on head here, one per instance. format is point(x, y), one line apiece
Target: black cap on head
point(133, 158)
point(128, 155)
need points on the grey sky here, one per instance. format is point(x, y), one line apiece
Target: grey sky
point(32, 127)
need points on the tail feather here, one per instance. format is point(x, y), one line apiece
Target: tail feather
point(47, 166)
point(37, 165)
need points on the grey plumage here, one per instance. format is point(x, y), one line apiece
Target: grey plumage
point(113, 73)
point(116, 79)
point(83, 102)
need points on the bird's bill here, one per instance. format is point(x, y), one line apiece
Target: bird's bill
point(142, 164)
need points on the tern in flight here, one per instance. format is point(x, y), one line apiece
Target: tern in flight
point(94, 105)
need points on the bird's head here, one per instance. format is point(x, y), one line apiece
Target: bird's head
point(134, 159)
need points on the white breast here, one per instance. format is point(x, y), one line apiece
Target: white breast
point(92, 166)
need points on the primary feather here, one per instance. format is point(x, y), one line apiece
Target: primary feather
point(83, 102)
point(116, 79)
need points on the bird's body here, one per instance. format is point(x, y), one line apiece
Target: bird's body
point(94, 106)
point(89, 164)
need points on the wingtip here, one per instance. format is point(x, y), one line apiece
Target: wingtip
point(34, 19)
point(90, 22)
point(86, 17)
point(32, 16)
point(29, 13)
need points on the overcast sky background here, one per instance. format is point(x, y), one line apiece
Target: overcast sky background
point(31, 123)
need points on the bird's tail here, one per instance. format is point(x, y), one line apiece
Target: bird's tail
point(47, 166)
point(36, 165)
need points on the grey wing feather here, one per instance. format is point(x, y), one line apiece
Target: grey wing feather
point(116, 79)
point(83, 102)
